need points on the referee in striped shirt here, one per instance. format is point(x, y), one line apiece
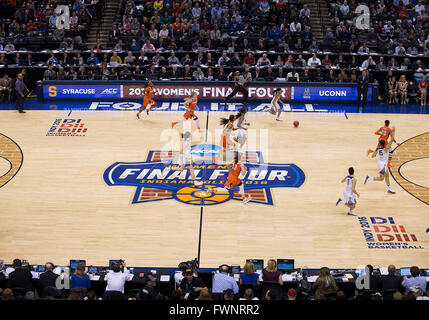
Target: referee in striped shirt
point(239, 82)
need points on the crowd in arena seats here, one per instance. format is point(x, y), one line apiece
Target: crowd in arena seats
point(209, 40)
point(32, 24)
point(188, 285)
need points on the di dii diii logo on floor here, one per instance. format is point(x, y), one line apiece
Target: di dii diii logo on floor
point(67, 127)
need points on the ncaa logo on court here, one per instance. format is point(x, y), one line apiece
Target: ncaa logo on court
point(205, 150)
point(155, 179)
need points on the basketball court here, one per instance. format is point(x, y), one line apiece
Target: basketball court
point(57, 201)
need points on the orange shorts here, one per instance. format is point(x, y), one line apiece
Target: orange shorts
point(379, 145)
point(232, 182)
point(147, 101)
point(224, 143)
point(190, 115)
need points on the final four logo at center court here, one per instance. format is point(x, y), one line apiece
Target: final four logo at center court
point(155, 180)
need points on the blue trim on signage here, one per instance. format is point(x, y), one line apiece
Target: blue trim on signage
point(296, 107)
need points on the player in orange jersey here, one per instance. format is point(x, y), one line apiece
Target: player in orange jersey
point(385, 133)
point(190, 105)
point(225, 140)
point(148, 102)
point(236, 169)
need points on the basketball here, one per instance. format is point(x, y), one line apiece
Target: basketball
point(296, 123)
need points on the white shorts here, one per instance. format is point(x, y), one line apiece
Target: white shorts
point(275, 105)
point(241, 135)
point(382, 166)
point(349, 198)
point(184, 160)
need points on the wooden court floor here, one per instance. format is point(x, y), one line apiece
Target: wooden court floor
point(58, 207)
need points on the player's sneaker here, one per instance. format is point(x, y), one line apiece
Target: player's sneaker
point(138, 116)
point(198, 183)
point(351, 213)
point(247, 199)
point(366, 179)
point(209, 190)
point(147, 111)
point(339, 201)
point(173, 124)
point(389, 164)
point(390, 190)
point(278, 119)
point(369, 151)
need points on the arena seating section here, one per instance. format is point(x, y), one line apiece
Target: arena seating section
point(264, 28)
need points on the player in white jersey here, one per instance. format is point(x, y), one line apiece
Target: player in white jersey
point(240, 127)
point(225, 138)
point(350, 192)
point(275, 108)
point(185, 157)
point(383, 153)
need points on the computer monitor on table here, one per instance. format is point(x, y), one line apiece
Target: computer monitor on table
point(286, 264)
point(258, 263)
point(405, 272)
point(75, 263)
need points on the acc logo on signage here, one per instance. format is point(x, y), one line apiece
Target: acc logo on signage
point(155, 180)
point(10, 159)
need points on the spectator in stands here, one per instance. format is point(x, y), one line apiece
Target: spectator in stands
point(48, 278)
point(341, 296)
point(223, 281)
point(191, 285)
point(270, 273)
point(324, 283)
point(326, 62)
point(293, 76)
point(152, 73)
point(9, 46)
point(78, 60)
point(363, 49)
point(116, 278)
point(291, 294)
point(249, 275)
point(148, 46)
point(415, 280)
point(125, 74)
point(80, 280)
point(198, 74)
point(402, 89)
point(367, 63)
point(391, 281)
point(149, 291)
point(228, 295)
point(52, 61)
point(249, 59)
point(271, 295)
point(21, 277)
point(172, 60)
point(5, 86)
point(248, 295)
point(204, 295)
point(115, 59)
point(7, 294)
point(314, 61)
point(129, 59)
point(263, 61)
point(61, 75)
point(92, 59)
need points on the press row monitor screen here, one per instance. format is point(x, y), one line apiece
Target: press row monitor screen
point(258, 263)
point(75, 263)
point(286, 264)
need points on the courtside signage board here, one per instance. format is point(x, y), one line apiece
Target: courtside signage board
point(81, 91)
point(167, 90)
